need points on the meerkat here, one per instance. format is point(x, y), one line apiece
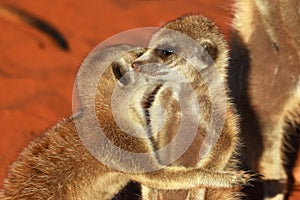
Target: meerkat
point(60, 164)
point(264, 80)
point(169, 50)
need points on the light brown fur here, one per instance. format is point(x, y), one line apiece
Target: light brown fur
point(57, 165)
point(222, 157)
point(265, 78)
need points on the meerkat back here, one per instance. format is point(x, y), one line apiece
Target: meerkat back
point(265, 80)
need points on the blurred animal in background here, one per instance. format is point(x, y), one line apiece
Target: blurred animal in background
point(265, 81)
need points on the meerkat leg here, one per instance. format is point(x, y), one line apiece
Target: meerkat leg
point(277, 163)
point(290, 143)
point(290, 148)
point(271, 167)
point(176, 178)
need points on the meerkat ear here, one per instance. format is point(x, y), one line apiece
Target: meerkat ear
point(210, 48)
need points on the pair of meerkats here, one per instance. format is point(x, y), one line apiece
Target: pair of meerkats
point(58, 166)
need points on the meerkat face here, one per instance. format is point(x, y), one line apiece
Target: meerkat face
point(194, 38)
point(172, 54)
point(133, 94)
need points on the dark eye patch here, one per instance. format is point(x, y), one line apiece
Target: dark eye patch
point(164, 53)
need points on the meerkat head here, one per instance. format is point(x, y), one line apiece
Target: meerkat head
point(109, 89)
point(133, 93)
point(191, 37)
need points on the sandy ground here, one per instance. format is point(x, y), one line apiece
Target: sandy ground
point(36, 76)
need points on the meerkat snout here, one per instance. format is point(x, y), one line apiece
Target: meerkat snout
point(136, 66)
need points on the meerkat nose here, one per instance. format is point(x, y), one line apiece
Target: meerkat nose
point(136, 66)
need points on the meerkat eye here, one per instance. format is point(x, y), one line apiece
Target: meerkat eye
point(120, 73)
point(163, 53)
point(210, 48)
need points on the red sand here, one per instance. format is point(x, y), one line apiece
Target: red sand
point(36, 77)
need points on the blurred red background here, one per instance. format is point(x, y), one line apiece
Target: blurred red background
point(36, 76)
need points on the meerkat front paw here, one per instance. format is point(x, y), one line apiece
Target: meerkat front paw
point(246, 178)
